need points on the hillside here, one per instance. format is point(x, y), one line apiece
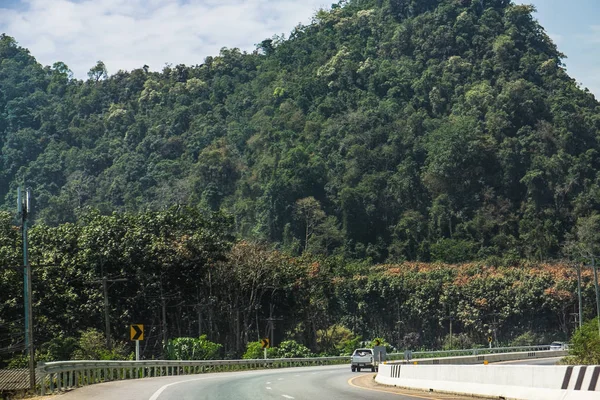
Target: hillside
point(390, 129)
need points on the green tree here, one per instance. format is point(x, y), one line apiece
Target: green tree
point(98, 72)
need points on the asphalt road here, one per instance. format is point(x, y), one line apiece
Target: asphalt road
point(537, 361)
point(312, 383)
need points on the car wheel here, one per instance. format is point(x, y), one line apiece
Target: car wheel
point(372, 369)
point(353, 369)
point(358, 369)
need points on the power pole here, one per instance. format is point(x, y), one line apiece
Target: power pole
point(597, 294)
point(24, 208)
point(574, 315)
point(105, 282)
point(271, 325)
point(451, 318)
point(579, 295)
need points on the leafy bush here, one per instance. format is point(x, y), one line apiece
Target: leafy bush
point(529, 338)
point(458, 342)
point(255, 351)
point(337, 340)
point(453, 251)
point(585, 347)
point(92, 346)
point(59, 349)
point(187, 348)
point(290, 349)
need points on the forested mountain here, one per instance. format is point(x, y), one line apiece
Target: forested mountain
point(390, 129)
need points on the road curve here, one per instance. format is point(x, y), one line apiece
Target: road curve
point(311, 383)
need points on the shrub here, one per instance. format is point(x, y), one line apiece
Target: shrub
point(459, 342)
point(452, 250)
point(529, 338)
point(337, 340)
point(59, 349)
point(585, 347)
point(290, 349)
point(255, 351)
point(92, 346)
point(187, 348)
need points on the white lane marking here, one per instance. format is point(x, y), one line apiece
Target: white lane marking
point(287, 397)
point(269, 388)
point(268, 383)
point(163, 388)
point(297, 375)
point(280, 379)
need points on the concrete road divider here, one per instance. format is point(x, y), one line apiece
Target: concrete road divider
point(491, 358)
point(524, 382)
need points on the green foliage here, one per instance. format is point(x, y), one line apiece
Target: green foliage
point(397, 131)
point(459, 341)
point(92, 346)
point(254, 351)
point(486, 148)
point(290, 349)
point(585, 345)
point(60, 348)
point(337, 340)
point(453, 250)
point(187, 348)
point(529, 338)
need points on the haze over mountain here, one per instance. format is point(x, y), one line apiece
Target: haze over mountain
point(391, 129)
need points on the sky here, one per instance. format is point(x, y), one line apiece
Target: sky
point(128, 34)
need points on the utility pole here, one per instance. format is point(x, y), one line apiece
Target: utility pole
point(597, 294)
point(575, 317)
point(105, 282)
point(271, 325)
point(579, 295)
point(451, 318)
point(164, 320)
point(24, 208)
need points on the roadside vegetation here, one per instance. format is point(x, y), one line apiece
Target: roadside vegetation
point(216, 289)
point(392, 168)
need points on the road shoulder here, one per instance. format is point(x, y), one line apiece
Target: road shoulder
point(367, 382)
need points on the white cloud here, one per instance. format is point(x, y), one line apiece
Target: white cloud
point(127, 34)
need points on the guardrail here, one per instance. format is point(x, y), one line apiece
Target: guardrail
point(66, 375)
point(465, 352)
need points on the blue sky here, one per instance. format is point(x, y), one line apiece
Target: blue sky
point(574, 25)
point(127, 34)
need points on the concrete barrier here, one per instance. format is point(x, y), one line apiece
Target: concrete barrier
point(522, 382)
point(491, 358)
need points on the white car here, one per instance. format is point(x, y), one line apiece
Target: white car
point(558, 346)
point(362, 358)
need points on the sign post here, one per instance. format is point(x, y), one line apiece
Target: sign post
point(136, 332)
point(265, 344)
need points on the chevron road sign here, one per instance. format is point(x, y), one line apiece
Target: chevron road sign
point(136, 332)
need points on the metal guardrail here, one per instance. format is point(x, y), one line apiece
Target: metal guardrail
point(467, 352)
point(66, 375)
